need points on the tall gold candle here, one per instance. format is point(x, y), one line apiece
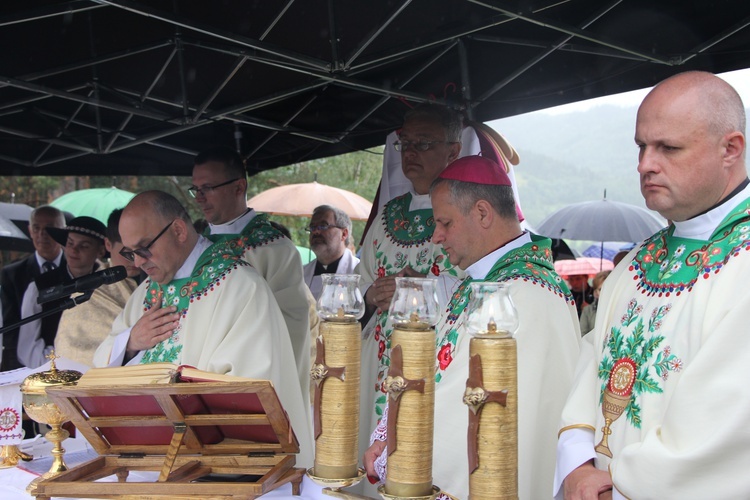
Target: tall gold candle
point(410, 465)
point(336, 373)
point(496, 476)
point(411, 388)
point(337, 446)
point(492, 393)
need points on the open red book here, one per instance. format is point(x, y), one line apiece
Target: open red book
point(119, 401)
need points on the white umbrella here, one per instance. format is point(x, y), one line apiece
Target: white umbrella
point(602, 220)
point(301, 199)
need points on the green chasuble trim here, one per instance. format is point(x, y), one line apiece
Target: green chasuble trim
point(257, 233)
point(667, 264)
point(531, 262)
point(404, 227)
point(213, 266)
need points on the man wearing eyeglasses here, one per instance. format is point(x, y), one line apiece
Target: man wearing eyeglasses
point(201, 305)
point(330, 230)
point(220, 189)
point(399, 242)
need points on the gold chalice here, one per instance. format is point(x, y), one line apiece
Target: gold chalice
point(40, 409)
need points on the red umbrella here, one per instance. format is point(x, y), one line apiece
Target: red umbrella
point(583, 265)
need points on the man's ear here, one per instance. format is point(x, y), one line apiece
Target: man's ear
point(734, 146)
point(108, 245)
point(180, 229)
point(344, 234)
point(454, 151)
point(484, 213)
point(102, 250)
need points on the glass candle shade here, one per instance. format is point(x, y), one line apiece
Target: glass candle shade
point(340, 299)
point(491, 311)
point(414, 305)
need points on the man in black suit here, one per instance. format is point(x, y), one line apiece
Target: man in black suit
point(15, 277)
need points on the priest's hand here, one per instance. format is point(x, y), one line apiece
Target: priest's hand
point(156, 325)
point(586, 483)
point(373, 452)
point(381, 291)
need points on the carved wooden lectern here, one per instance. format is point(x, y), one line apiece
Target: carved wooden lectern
point(207, 439)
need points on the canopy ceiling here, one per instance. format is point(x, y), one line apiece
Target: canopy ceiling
point(114, 87)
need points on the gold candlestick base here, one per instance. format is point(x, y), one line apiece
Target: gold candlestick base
point(332, 487)
point(435, 492)
point(10, 454)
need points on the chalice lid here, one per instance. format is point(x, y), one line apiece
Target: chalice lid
point(37, 383)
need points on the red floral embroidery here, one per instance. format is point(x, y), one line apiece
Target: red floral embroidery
point(381, 272)
point(381, 349)
point(435, 269)
point(378, 329)
point(444, 356)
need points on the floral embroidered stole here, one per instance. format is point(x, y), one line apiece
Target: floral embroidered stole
point(214, 264)
point(531, 262)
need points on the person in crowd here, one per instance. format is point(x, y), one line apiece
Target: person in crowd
point(220, 189)
point(657, 408)
point(83, 244)
point(589, 313)
point(83, 328)
point(399, 243)
point(581, 290)
point(15, 277)
point(330, 235)
point(477, 224)
point(201, 305)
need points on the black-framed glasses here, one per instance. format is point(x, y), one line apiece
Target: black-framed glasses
point(143, 252)
point(203, 191)
point(420, 145)
point(321, 228)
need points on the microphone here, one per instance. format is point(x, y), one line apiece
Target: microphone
point(83, 284)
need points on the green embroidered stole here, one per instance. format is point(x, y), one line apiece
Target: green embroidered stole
point(531, 262)
point(256, 233)
point(214, 264)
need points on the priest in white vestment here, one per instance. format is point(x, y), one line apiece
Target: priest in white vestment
point(201, 306)
point(477, 224)
point(220, 190)
point(667, 360)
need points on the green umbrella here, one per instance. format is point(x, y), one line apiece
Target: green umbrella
point(306, 254)
point(97, 202)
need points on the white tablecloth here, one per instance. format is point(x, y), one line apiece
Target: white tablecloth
point(13, 481)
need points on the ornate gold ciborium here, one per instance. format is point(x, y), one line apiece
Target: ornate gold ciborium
point(40, 409)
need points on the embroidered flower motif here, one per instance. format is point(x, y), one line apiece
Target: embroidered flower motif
point(679, 251)
point(378, 329)
point(444, 356)
point(171, 289)
point(381, 349)
point(381, 272)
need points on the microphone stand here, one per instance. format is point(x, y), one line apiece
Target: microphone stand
point(68, 303)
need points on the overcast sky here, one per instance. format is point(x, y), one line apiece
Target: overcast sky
point(740, 80)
